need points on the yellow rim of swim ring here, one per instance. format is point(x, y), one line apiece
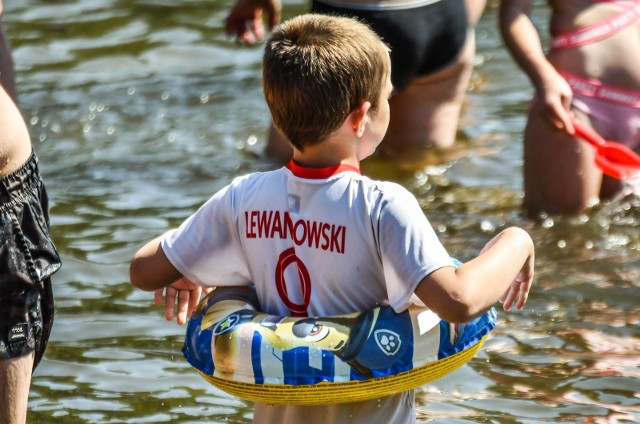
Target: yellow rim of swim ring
point(351, 391)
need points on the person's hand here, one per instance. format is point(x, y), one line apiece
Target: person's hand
point(245, 19)
point(555, 97)
point(187, 295)
point(519, 288)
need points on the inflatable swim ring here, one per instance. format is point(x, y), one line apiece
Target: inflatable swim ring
point(314, 361)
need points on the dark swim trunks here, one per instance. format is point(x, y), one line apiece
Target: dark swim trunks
point(28, 258)
point(422, 39)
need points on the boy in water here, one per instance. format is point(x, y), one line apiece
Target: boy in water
point(316, 237)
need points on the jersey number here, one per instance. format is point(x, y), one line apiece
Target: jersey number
point(287, 258)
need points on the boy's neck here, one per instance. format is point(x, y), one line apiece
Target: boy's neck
point(330, 152)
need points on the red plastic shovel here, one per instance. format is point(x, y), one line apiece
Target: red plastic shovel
point(614, 159)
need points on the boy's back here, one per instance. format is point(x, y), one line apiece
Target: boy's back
point(315, 242)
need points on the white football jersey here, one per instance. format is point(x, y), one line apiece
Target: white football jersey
point(313, 241)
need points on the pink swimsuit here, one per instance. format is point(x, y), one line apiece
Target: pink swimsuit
point(614, 112)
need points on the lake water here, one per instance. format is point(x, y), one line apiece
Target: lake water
point(140, 109)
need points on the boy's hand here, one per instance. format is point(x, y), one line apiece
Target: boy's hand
point(188, 295)
point(520, 287)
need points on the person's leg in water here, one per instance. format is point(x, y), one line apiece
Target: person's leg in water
point(427, 113)
point(15, 373)
point(27, 318)
point(15, 380)
point(26, 315)
point(560, 174)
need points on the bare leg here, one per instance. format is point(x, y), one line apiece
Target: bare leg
point(15, 373)
point(15, 379)
point(426, 114)
point(560, 175)
point(475, 8)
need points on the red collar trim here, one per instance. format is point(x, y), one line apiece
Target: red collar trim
point(319, 173)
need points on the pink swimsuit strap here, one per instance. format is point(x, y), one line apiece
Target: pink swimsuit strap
point(591, 87)
point(599, 30)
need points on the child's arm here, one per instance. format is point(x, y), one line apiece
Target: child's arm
point(502, 271)
point(150, 270)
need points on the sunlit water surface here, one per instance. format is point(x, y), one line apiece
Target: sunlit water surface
point(139, 110)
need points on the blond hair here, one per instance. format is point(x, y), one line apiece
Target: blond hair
point(316, 70)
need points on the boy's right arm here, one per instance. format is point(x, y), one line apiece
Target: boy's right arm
point(150, 269)
point(502, 271)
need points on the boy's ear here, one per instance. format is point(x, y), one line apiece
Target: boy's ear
point(359, 118)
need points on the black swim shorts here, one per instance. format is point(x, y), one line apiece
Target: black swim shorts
point(423, 40)
point(28, 258)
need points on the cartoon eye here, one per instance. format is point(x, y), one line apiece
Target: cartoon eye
point(271, 322)
point(308, 331)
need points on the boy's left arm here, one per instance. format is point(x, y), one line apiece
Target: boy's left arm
point(502, 271)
